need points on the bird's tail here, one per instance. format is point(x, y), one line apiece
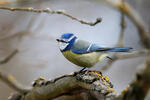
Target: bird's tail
point(119, 49)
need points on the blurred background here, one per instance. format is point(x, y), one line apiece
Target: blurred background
point(34, 34)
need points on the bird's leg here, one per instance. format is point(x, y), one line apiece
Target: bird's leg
point(82, 70)
point(109, 57)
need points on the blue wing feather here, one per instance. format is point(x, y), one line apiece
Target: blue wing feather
point(82, 47)
point(88, 49)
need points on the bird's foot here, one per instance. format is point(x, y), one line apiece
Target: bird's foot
point(39, 81)
point(80, 71)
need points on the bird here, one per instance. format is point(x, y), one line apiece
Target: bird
point(83, 53)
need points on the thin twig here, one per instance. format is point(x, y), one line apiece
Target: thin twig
point(118, 56)
point(8, 2)
point(129, 11)
point(13, 83)
point(123, 25)
point(19, 2)
point(9, 57)
point(50, 11)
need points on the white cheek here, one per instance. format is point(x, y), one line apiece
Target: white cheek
point(62, 46)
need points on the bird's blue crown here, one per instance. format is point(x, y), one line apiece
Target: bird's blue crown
point(67, 35)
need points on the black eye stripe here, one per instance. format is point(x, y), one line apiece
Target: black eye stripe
point(63, 41)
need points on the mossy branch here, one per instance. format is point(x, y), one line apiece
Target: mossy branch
point(73, 84)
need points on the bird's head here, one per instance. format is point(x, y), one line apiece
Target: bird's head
point(66, 41)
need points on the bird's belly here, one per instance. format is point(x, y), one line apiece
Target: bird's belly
point(83, 60)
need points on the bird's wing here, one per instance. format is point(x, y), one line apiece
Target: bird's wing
point(83, 47)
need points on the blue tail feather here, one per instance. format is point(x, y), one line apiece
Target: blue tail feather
point(120, 49)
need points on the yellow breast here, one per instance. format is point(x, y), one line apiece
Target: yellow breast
point(83, 60)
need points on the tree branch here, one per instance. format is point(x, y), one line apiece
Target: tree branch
point(9, 57)
point(13, 83)
point(50, 11)
point(16, 96)
point(71, 85)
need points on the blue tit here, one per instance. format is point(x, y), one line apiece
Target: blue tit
point(83, 53)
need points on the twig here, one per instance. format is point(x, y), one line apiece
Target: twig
point(10, 81)
point(7, 2)
point(50, 11)
point(19, 2)
point(71, 85)
point(129, 11)
point(118, 56)
point(123, 25)
point(9, 57)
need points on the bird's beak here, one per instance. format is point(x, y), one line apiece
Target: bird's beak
point(57, 40)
